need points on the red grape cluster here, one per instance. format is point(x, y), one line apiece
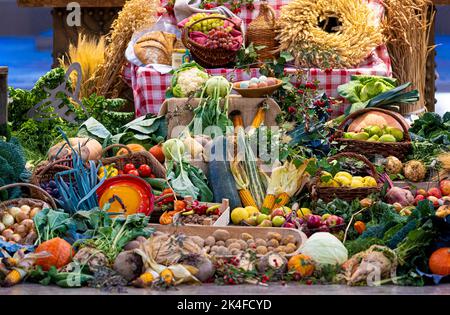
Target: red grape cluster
point(220, 38)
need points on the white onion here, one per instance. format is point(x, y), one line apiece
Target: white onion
point(8, 219)
point(14, 211)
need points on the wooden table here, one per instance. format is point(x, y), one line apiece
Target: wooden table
point(96, 19)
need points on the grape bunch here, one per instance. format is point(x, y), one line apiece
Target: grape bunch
point(206, 25)
point(220, 38)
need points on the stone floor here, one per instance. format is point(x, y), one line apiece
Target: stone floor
point(209, 289)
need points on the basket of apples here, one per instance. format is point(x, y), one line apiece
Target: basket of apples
point(212, 39)
point(314, 223)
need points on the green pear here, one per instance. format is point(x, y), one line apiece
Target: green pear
point(387, 138)
point(261, 217)
point(375, 131)
point(265, 223)
point(374, 138)
point(397, 133)
point(251, 221)
point(361, 136)
point(349, 135)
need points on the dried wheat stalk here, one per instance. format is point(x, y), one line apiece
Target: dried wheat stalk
point(407, 29)
point(136, 14)
point(311, 45)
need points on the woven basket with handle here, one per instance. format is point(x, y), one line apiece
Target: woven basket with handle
point(46, 202)
point(137, 158)
point(368, 148)
point(328, 194)
point(46, 172)
point(261, 32)
point(209, 57)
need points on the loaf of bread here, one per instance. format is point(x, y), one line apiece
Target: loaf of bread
point(155, 48)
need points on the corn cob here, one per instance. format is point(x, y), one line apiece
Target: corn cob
point(144, 280)
point(259, 117)
point(282, 200)
point(237, 119)
point(14, 277)
point(247, 198)
point(269, 202)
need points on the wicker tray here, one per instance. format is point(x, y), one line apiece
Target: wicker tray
point(398, 149)
point(46, 172)
point(328, 194)
point(137, 158)
point(235, 232)
point(209, 57)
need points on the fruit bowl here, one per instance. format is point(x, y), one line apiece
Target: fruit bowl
point(257, 92)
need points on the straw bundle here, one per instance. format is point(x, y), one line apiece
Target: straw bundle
point(328, 33)
point(407, 28)
point(89, 53)
point(136, 14)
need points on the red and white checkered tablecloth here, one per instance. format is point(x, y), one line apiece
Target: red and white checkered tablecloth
point(149, 86)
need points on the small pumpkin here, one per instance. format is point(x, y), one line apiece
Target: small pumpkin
point(157, 152)
point(301, 264)
point(60, 252)
point(439, 262)
point(134, 147)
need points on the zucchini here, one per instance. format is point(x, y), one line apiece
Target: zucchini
point(220, 177)
point(157, 183)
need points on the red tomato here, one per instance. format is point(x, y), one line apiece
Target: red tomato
point(133, 172)
point(129, 167)
point(145, 170)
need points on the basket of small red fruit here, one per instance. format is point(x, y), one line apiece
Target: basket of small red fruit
point(212, 39)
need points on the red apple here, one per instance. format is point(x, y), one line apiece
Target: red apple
point(418, 198)
point(434, 200)
point(332, 220)
point(289, 225)
point(435, 192)
point(277, 212)
point(422, 192)
point(445, 187)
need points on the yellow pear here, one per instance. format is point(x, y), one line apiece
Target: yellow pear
point(369, 181)
point(238, 215)
point(252, 210)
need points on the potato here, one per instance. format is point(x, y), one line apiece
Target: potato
point(210, 241)
point(221, 235)
point(274, 235)
point(222, 251)
point(273, 243)
point(261, 250)
point(260, 242)
point(220, 243)
point(270, 249)
point(235, 252)
point(234, 245)
point(280, 249)
point(243, 244)
point(214, 248)
point(230, 241)
point(290, 248)
point(246, 237)
point(198, 240)
point(21, 216)
point(288, 239)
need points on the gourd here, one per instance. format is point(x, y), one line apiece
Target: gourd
point(60, 253)
point(439, 262)
point(134, 147)
point(220, 177)
point(302, 265)
point(89, 149)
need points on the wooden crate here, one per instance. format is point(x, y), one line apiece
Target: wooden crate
point(235, 232)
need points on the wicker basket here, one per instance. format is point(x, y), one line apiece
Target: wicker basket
point(328, 194)
point(261, 32)
point(398, 149)
point(46, 172)
point(137, 158)
point(45, 202)
point(209, 57)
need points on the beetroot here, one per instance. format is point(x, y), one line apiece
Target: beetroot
point(399, 195)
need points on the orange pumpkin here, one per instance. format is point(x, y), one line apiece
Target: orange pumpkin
point(134, 147)
point(439, 262)
point(301, 264)
point(157, 152)
point(60, 251)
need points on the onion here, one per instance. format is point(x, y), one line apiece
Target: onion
point(22, 215)
point(34, 211)
point(2, 227)
point(13, 211)
point(8, 219)
point(16, 238)
point(7, 233)
point(22, 230)
point(28, 224)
